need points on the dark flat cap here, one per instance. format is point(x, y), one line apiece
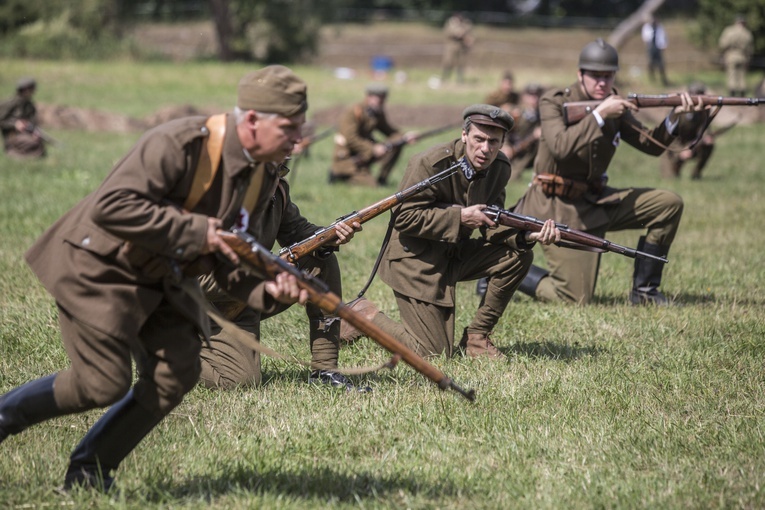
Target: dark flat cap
point(273, 89)
point(534, 89)
point(488, 115)
point(376, 89)
point(25, 83)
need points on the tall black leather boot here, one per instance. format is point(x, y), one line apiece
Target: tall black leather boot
point(107, 443)
point(531, 281)
point(26, 405)
point(647, 276)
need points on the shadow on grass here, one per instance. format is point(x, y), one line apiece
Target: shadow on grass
point(552, 350)
point(678, 299)
point(309, 483)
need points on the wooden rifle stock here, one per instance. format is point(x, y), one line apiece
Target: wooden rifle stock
point(327, 235)
point(577, 237)
point(575, 111)
point(257, 258)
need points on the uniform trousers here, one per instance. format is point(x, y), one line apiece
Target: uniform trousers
point(166, 355)
point(573, 273)
point(228, 363)
point(428, 328)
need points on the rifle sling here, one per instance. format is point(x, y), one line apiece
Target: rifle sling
point(386, 239)
point(209, 160)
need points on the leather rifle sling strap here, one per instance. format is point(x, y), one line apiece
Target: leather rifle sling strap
point(209, 160)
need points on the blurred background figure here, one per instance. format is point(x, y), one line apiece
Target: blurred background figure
point(505, 95)
point(18, 121)
point(736, 45)
point(355, 146)
point(687, 146)
point(522, 142)
point(459, 38)
point(655, 39)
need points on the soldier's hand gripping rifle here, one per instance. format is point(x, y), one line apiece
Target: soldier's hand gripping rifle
point(328, 234)
point(575, 238)
point(575, 111)
point(255, 257)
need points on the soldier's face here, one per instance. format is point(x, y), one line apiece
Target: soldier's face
point(482, 144)
point(275, 136)
point(597, 84)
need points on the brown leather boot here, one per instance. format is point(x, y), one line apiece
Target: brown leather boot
point(476, 345)
point(367, 309)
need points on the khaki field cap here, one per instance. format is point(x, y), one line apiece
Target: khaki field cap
point(377, 89)
point(488, 115)
point(26, 83)
point(273, 89)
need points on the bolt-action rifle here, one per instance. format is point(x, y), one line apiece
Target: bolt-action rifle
point(37, 130)
point(328, 234)
point(575, 238)
point(257, 258)
point(575, 111)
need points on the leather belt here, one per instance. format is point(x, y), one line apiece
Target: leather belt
point(555, 185)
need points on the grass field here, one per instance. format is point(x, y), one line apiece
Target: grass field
point(605, 406)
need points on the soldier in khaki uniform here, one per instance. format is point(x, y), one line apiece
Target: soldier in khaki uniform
point(18, 120)
point(113, 264)
point(736, 44)
point(521, 147)
point(441, 237)
point(681, 152)
point(570, 184)
point(228, 363)
point(355, 145)
point(505, 96)
point(458, 31)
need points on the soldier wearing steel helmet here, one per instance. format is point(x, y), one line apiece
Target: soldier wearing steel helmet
point(570, 184)
point(435, 242)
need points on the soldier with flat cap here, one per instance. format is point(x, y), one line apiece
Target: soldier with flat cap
point(356, 147)
point(441, 237)
point(570, 183)
point(18, 122)
point(114, 264)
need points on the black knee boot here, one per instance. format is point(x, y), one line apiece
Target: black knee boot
point(26, 405)
point(531, 281)
point(647, 276)
point(107, 443)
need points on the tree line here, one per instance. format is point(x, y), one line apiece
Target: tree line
point(288, 30)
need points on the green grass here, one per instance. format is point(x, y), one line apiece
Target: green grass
point(605, 406)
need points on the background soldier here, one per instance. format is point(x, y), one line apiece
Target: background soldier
point(505, 95)
point(570, 184)
point(355, 146)
point(432, 246)
point(18, 121)
point(689, 129)
point(655, 39)
point(736, 45)
point(228, 363)
point(459, 38)
point(523, 140)
point(113, 265)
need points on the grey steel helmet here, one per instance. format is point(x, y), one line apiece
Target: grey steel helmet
point(599, 56)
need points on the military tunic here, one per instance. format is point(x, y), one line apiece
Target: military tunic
point(582, 152)
point(429, 251)
point(226, 362)
point(112, 264)
point(354, 145)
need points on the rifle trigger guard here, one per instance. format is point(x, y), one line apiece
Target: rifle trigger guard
point(391, 364)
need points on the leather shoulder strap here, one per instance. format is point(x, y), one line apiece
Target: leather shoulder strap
point(209, 160)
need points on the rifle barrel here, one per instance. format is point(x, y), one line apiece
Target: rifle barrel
point(532, 224)
point(326, 235)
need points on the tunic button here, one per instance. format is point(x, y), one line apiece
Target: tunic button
point(86, 241)
point(179, 251)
